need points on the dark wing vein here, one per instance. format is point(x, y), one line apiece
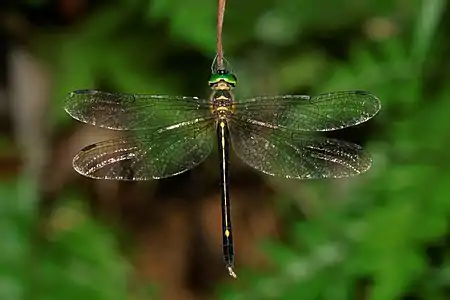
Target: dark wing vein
point(302, 156)
point(162, 153)
point(324, 112)
point(133, 111)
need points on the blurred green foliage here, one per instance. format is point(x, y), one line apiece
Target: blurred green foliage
point(374, 245)
point(69, 256)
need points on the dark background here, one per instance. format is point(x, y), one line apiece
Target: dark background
point(381, 235)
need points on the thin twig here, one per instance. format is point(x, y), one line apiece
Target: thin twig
point(220, 14)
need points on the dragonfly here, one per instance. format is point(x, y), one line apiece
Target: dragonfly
point(169, 135)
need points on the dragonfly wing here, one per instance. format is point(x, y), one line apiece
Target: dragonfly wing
point(163, 153)
point(296, 155)
point(133, 111)
point(323, 112)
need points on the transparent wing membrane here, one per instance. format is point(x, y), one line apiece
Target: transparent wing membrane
point(294, 155)
point(172, 134)
point(133, 111)
point(159, 154)
point(324, 112)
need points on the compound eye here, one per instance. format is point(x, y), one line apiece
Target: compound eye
point(213, 79)
point(231, 79)
point(224, 76)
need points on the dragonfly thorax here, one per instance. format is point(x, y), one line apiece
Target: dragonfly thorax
point(222, 102)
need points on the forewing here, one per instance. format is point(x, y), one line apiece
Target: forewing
point(296, 155)
point(163, 153)
point(133, 111)
point(324, 112)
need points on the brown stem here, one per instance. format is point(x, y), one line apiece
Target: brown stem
point(220, 14)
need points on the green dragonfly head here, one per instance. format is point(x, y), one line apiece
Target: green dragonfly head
point(222, 75)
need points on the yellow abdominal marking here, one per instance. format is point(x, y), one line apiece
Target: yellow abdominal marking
point(222, 125)
point(227, 233)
